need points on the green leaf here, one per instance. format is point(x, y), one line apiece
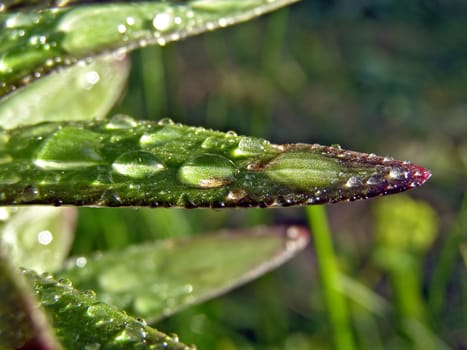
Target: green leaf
point(21, 322)
point(82, 322)
point(37, 238)
point(36, 42)
point(123, 162)
point(155, 280)
point(77, 93)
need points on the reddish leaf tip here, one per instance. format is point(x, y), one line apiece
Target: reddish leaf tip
point(418, 175)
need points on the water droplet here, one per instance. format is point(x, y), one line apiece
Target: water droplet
point(46, 276)
point(162, 21)
point(142, 321)
point(161, 136)
point(69, 148)
point(223, 22)
point(4, 214)
point(354, 181)
point(91, 78)
point(29, 193)
point(231, 133)
point(44, 237)
point(81, 262)
point(236, 194)
point(166, 121)
point(50, 298)
point(93, 346)
point(96, 311)
point(174, 337)
point(130, 21)
point(375, 180)
point(211, 142)
point(65, 282)
point(208, 171)
point(137, 164)
point(121, 121)
point(248, 146)
point(121, 28)
point(398, 174)
point(90, 293)
point(9, 179)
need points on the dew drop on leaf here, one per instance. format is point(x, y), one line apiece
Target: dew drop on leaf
point(353, 181)
point(162, 21)
point(398, 174)
point(248, 146)
point(210, 142)
point(120, 121)
point(375, 180)
point(30, 193)
point(159, 137)
point(9, 179)
point(44, 237)
point(166, 121)
point(137, 164)
point(207, 171)
point(69, 148)
point(81, 262)
point(236, 195)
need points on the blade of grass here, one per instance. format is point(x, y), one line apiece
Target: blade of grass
point(447, 259)
point(330, 279)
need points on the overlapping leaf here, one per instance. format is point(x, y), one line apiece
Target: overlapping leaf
point(122, 162)
point(38, 41)
point(78, 93)
point(21, 322)
point(37, 238)
point(155, 280)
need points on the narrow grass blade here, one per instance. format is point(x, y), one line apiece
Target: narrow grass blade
point(336, 303)
point(123, 162)
point(155, 280)
point(78, 93)
point(82, 322)
point(35, 42)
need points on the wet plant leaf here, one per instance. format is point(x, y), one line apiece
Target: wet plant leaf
point(82, 322)
point(166, 276)
point(78, 93)
point(21, 322)
point(37, 238)
point(123, 162)
point(35, 42)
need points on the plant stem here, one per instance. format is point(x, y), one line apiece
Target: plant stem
point(447, 259)
point(330, 278)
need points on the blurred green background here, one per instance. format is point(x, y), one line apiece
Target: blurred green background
point(381, 76)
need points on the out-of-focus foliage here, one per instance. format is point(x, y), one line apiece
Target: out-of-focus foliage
point(37, 238)
point(78, 93)
point(166, 276)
